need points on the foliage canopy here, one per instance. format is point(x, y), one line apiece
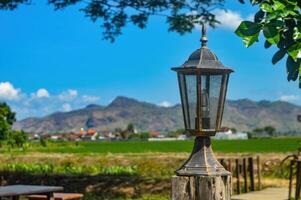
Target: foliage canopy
point(280, 23)
point(7, 118)
point(113, 15)
point(12, 137)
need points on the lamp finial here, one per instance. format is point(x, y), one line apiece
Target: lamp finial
point(204, 38)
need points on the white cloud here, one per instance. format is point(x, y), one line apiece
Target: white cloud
point(68, 95)
point(90, 99)
point(42, 93)
point(41, 102)
point(73, 93)
point(291, 98)
point(66, 107)
point(8, 91)
point(165, 104)
point(228, 19)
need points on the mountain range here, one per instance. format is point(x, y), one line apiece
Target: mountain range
point(244, 115)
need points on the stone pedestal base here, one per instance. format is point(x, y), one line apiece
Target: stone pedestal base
point(201, 187)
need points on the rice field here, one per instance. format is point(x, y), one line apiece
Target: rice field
point(223, 146)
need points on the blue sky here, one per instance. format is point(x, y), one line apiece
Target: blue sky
point(57, 61)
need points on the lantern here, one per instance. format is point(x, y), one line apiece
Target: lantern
point(203, 81)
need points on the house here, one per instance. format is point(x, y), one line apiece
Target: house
point(229, 135)
point(57, 137)
point(102, 138)
point(90, 134)
point(34, 136)
point(155, 134)
point(73, 137)
point(106, 135)
point(163, 138)
point(182, 137)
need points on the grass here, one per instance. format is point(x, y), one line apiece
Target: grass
point(154, 162)
point(67, 168)
point(222, 146)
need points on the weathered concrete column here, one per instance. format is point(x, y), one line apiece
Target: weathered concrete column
point(201, 187)
point(202, 177)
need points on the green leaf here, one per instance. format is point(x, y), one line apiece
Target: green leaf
point(278, 5)
point(297, 34)
point(249, 32)
point(273, 15)
point(277, 23)
point(247, 28)
point(278, 56)
point(271, 34)
point(295, 51)
point(267, 44)
point(292, 68)
point(249, 40)
point(266, 7)
point(259, 16)
point(286, 12)
point(291, 2)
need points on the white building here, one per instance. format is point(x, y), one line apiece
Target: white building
point(231, 136)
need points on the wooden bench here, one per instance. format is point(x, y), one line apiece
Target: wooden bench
point(57, 196)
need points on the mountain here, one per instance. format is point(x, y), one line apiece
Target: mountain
point(243, 114)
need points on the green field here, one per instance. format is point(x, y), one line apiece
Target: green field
point(223, 146)
point(128, 169)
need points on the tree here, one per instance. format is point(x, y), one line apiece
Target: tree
point(130, 128)
point(43, 142)
point(173, 134)
point(176, 133)
point(144, 135)
point(270, 130)
point(124, 134)
point(17, 138)
point(280, 23)
point(234, 130)
point(7, 118)
point(258, 130)
point(181, 15)
point(140, 136)
point(12, 137)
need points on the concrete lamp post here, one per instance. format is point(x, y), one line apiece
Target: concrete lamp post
point(203, 81)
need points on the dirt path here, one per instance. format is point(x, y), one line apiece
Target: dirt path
point(267, 194)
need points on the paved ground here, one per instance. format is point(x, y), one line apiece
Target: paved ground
point(266, 194)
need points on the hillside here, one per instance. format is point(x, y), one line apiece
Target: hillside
point(242, 114)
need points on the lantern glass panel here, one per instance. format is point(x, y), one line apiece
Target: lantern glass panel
point(182, 84)
point(188, 89)
point(210, 98)
point(224, 85)
point(191, 84)
point(206, 91)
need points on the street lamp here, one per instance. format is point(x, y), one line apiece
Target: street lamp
point(203, 81)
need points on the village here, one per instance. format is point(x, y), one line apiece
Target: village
point(91, 134)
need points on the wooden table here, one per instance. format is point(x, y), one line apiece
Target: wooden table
point(15, 191)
